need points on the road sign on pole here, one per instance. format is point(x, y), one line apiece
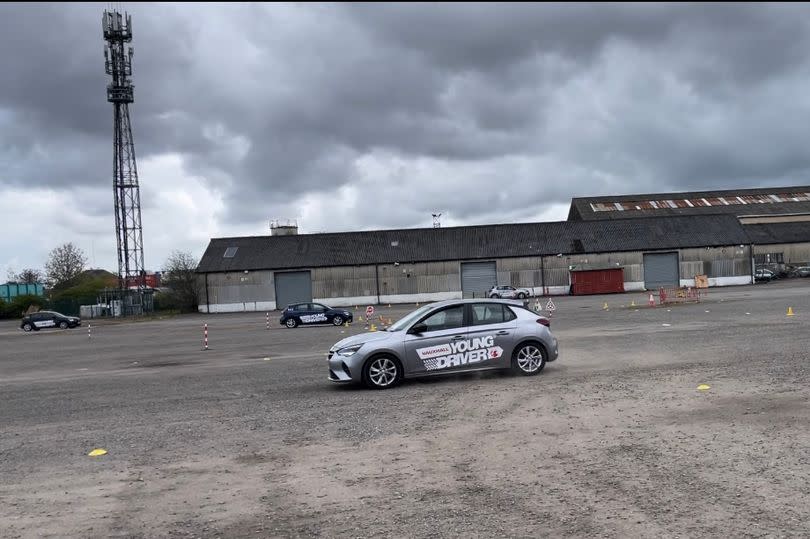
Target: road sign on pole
point(369, 311)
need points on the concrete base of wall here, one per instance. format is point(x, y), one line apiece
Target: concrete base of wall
point(420, 298)
point(356, 301)
point(540, 291)
point(249, 306)
point(634, 286)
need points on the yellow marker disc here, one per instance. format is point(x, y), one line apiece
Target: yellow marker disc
point(97, 452)
point(267, 359)
point(704, 387)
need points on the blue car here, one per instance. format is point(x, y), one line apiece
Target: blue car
point(313, 313)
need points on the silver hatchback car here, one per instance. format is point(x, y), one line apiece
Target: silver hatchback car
point(447, 337)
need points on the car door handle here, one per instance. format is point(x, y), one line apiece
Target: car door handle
point(502, 333)
point(458, 338)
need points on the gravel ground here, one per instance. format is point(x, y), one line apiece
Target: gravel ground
point(250, 439)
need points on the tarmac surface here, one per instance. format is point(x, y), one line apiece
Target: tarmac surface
point(249, 438)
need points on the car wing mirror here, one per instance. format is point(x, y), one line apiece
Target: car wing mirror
point(417, 329)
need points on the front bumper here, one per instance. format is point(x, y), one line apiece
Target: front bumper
point(553, 351)
point(345, 369)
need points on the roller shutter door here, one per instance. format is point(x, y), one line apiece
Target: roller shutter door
point(477, 278)
point(292, 287)
point(661, 270)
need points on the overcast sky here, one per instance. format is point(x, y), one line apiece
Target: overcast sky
point(362, 116)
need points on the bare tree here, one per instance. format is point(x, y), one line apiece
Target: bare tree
point(29, 276)
point(179, 275)
point(64, 263)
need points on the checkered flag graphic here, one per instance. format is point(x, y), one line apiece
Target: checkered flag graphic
point(431, 364)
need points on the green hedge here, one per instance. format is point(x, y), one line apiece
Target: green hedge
point(16, 307)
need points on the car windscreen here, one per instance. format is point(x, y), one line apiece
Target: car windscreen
point(410, 318)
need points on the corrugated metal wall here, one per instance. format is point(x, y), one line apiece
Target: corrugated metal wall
point(422, 278)
point(794, 254)
point(344, 282)
point(731, 261)
point(435, 277)
point(239, 287)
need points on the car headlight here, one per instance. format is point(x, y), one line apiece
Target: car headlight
point(349, 350)
point(346, 313)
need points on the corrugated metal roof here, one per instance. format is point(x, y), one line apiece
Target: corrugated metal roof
point(764, 233)
point(764, 201)
point(470, 242)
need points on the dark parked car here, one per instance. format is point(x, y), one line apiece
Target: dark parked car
point(765, 275)
point(313, 313)
point(49, 319)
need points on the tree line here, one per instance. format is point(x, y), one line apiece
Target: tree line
point(66, 262)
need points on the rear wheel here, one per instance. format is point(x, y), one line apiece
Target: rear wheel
point(529, 359)
point(337, 320)
point(291, 323)
point(382, 372)
point(521, 295)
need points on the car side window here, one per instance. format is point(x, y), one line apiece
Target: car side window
point(317, 307)
point(449, 318)
point(486, 313)
point(508, 314)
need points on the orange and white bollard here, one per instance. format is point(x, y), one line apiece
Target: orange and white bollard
point(205, 336)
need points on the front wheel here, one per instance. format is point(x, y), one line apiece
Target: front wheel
point(521, 296)
point(337, 321)
point(63, 325)
point(382, 372)
point(27, 327)
point(291, 323)
point(529, 359)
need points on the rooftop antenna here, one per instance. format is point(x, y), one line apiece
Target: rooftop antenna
point(436, 220)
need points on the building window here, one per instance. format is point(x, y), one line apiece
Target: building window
point(230, 252)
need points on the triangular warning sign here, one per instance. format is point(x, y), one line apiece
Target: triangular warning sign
point(550, 306)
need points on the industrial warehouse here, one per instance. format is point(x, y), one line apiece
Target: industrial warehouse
point(607, 245)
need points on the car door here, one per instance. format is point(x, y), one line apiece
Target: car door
point(43, 320)
point(433, 349)
point(492, 328)
point(321, 313)
point(309, 315)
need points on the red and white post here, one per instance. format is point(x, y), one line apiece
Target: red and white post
point(88, 331)
point(267, 318)
point(205, 336)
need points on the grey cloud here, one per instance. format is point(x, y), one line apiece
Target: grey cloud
point(274, 103)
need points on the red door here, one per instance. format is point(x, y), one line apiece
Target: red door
point(605, 281)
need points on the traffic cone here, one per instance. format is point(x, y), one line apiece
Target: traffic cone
point(790, 311)
point(651, 301)
point(633, 303)
point(605, 306)
point(373, 328)
point(389, 305)
point(360, 318)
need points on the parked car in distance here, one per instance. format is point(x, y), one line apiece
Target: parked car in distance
point(764, 275)
point(509, 292)
point(803, 271)
point(313, 313)
point(48, 319)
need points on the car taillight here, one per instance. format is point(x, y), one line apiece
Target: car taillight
point(544, 322)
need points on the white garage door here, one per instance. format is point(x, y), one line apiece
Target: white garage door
point(477, 278)
point(292, 287)
point(661, 270)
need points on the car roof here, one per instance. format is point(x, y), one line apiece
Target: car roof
point(476, 300)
